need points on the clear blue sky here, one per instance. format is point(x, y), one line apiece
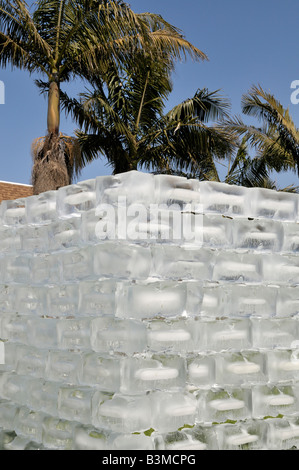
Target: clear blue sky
point(247, 42)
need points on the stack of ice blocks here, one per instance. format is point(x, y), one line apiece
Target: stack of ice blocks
point(113, 341)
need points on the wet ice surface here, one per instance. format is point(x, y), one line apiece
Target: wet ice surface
point(119, 332)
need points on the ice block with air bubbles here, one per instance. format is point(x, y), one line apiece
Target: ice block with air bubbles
point(277, 205)
point(109, 334)
point(258, 235)
point(222, 404)
point(41, 209)
point(13, 212)
point(172, 410)
point(123, 413)
point(75, 199)
point(64, 234)
point(125, 189)
point(176, 192)
point(224, 199)
point(100, 371)
point(271, 400)
point(246, 367)
point(157, 372)
point(149, 299)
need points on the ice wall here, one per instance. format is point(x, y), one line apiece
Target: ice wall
point(116, 332)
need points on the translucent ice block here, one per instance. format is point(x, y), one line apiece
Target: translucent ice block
point(32, 362)
point(240, 368)
point(249, 435)
point(13, 212)
point(283, 434)
point(88, 227)
point(227, 334)
point(217, 231)
point(10, 354)
point(175, 224)
point(238, 267)
point(97, 297)
point(29, 299)
point(281, 268)
point(14, 387)
point(8, 411)
point(170, 411)
point(189, 439)
point(74, 403)
point(42, 332)
point(127, 441)
point(29, 423)
point(14, 328)
point(58, 433)
point(10, 241)
point(176, 336)
point(253, 300)
point(73, 333)
point(201, 370)
point(77, 264)
point(273, 333)
point(46, 269)
point(121, 260)
point(77, 198)
point(216, 300)
point(287, 301)
point(90, 438)
point(175, 262)
point(220, 405)
point(100, 371)
point(159, 372)
point(110, 334)
point(273, 204)
point(17, 443)
point(224, 198)
point(16, 268)
point(261, 235)
point(63, 366)
point(124, 414)
point(270, 400)
point(43, 396)
point(132, 187)
point(283, 365)
point(64, 234)
point(41, 209)
point(62, 300)
point(176, 190)
point(291, 237)
point(7, 298)
point(150, 299)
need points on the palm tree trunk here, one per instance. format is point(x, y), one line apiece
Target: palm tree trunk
point(52, 167)
point(53, 117)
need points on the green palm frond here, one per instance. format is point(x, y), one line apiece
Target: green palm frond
point(204, 106)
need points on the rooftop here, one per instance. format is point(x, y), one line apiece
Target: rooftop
point(10, 190)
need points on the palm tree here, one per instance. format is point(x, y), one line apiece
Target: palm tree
point(192, 138)
point(63, 39)
point(276, 141)
point(125, 121)
point(251, 172)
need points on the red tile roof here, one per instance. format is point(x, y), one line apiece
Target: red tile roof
point(14, 190)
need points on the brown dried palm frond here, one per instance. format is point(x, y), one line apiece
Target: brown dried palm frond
point(55, 161)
